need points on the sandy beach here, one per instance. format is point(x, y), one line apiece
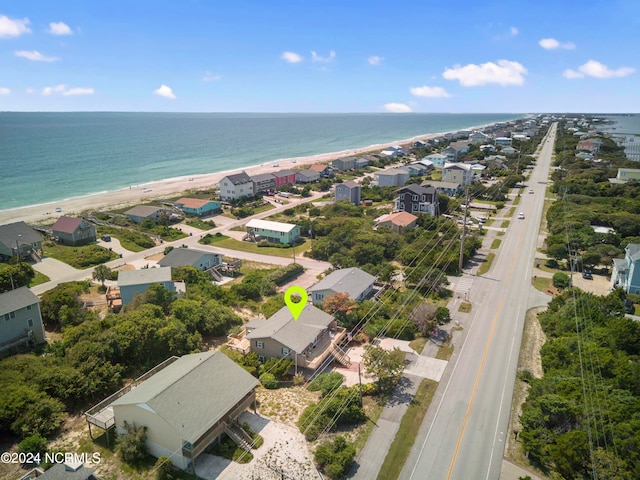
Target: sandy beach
point(135, 194)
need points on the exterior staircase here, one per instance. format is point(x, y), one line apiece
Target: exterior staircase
point(213, 271)
point(340, 356)
point(238, 435)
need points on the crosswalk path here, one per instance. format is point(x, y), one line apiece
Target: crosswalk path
point(462, 284)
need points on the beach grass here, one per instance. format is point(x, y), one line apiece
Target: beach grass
point(39, 279)
point(200, 224)
point(81, 257)
point(233, 244)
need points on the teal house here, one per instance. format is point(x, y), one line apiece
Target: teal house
point(273, 232)
point(198, 206)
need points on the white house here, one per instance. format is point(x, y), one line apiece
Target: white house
point(236, 186)
point(392, 177)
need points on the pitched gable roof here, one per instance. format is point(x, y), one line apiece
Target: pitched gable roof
point(179, 257)
point(352, 281)
point(293, 334)
point(193, 202)
point(239, 178)
point(318, 167)
point(144, 276)
point(66, 224)
point(193, 393)
point(13, 300)
point(401, 219)
point(11, 232)
point(143, 211)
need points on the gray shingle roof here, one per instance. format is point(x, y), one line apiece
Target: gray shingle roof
point(143, 211)
point(293, 334)
point(179, 257)
point(9, 234)
point(352, 281)
point(193, 393)
point(16, 299)
point(262, 177)
point(60, 471)
point(144, 275)
point(239, 178)
point(633, 249)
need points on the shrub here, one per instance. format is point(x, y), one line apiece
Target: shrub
point(268, 380)
point(164, 469)
point(35, 444)
point(133, 447)
point(369, 389)
point(326, 383)
point(278, 367)
point(561, 280)
point(335, 457)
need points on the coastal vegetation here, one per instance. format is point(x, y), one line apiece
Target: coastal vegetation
point(80, 257)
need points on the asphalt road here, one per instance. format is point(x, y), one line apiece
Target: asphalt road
point(464, 432)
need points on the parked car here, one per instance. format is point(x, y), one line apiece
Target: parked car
point(105, 238)
point(587, 274)
point(628, 306)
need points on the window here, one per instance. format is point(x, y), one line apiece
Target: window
point(259, 344)
point(28, 307)
point(285, 351)
point(30, 322)
point(414, 198)
point(6, 317)
point(261, 358)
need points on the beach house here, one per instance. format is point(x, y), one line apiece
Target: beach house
point(144, 212)
point(73, 231)
point(190, 257)
point(417, 199)
point(325, 171)
point(438, 159)
point(391, 177)
point(21, 321)
point(233, 187)
point(187, 405)
point(307, 176)
point(308, 340)
point(18, 240)
point(348, 190)
point(273, 232)
point(344, 164)
point(457, 173)
point(263, 182)
point(198, 206)
point(448, 188)
point(284, 177)
point(626, 271)
point(455, 149)
point(131, 282)
point(625, 175)
point(398, 222)
point(356, 283)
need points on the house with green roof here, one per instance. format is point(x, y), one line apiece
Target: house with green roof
point(187, 405)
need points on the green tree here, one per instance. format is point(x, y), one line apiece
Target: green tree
point(101, 273)
point(35, 444)
point(384, 366)
point(132, 445)
point(560, 280)
point(15, 276)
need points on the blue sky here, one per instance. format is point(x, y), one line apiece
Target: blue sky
point(320, 56)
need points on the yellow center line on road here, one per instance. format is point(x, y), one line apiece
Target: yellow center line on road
point(482, 362)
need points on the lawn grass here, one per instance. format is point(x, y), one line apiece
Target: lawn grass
point(510, 212)
point(233, 244)
point(445, 351)
point(408, 430)
point(39, 279)
point(200, 224)
point(486, 265)
point(81, 257)
point(264, 208)
point(505, 224)
point(465, 307)
point(489, 222)
point(516, 200)
point(542, 283)
point(373, 406)
point(418, 344)
point(209, 239)
point(496, 243)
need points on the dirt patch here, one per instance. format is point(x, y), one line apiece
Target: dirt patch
point(530, 360)
point(157, 257)
point(285, 404)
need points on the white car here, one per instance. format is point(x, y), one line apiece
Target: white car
point(521, 216)
point(531, 190)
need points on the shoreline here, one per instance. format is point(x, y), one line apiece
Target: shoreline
point(171, 187)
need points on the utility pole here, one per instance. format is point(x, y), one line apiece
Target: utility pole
point(464, 229)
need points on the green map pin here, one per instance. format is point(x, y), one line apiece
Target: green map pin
point(296, 308)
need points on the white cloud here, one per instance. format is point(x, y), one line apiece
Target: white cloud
point(35, 56)
point(59, 28)
point(431, 92)
point(4, 91)
point(164, 91)
point(514, 31)
point(78, 91)
point(505, 72)
point(291, 57)
point(599, 70)
point(317, 58)
point(375, 60)
point(552, 44)
point(571, 74)
point(397, 107)
point(57, 89)
point(211, 77)
point(10, 27)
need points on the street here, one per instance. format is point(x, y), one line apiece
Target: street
point(464, 432)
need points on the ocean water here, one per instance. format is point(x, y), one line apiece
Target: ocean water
point(47, 157)
point(626, 130)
